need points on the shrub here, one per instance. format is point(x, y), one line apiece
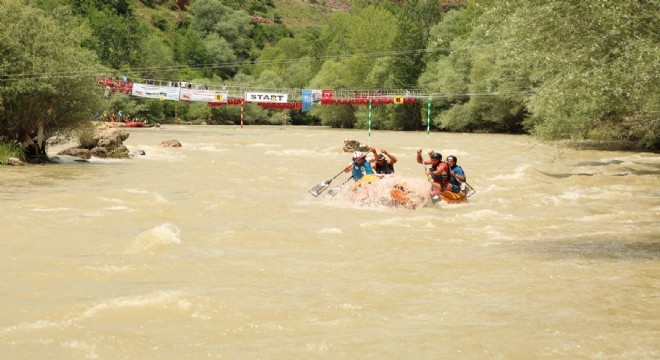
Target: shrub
point(10, 150)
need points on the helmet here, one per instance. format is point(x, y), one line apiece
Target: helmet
point(381, 157)
point(436, 156)
point(453, 158)
point(358, 155)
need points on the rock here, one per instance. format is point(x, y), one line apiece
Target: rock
point(66, 159)
point(15, 162)
point(106, 142)
point(354, 145)
point(99, 152)
point(171, 143)
point(111, 138)
point(135, 153)
point(77, 152)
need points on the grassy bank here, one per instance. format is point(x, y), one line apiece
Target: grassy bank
point(10, 150)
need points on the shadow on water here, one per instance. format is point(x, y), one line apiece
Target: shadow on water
point(621, 171)
point(633, 250)
point(561, 176)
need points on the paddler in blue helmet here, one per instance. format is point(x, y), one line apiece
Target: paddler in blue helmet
point(360, 166)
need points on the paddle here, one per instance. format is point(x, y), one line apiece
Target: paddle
point(318, 189)
point(434, 198)
point(471, 191)
point(332, 192)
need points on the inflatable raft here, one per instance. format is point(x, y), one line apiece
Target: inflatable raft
point(373, 189)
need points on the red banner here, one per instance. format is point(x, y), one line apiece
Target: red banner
point(326, 96)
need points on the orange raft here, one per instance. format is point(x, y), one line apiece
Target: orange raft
point(449, 196)
point(371, 190)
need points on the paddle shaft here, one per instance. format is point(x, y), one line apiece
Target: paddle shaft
point(318, 189)
point(332, 192)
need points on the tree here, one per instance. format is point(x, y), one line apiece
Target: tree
point(594, 66)
point(212, 17)
point(356, 39)
point(48, 80)
point(414, 22)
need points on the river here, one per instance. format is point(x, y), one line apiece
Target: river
point(217, 250)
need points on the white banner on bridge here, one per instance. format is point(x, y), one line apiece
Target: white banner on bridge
point(266, 97)
point(203, 95)
point(155, 92)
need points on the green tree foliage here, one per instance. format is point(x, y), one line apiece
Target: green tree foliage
point(117, 33)
point(354, 38)
point(48, 80)
point(190, 48)
point(212, 17)
point(156, 59)
point(221, 55)
point(558, 69)
point(461, 75)
point(414, 21)
point(288, 58)
point(563, 70)
point(367, 34)
point(594, 65)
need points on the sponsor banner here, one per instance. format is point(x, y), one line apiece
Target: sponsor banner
point(316, 96)
point(203, 95)
point(155, 92)
point(326, 94)
point(266, 97)
point(306, 100)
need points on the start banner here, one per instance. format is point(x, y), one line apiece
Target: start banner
point(266, 97)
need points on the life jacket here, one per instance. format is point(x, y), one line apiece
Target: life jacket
point(386, 168)
point(443, 178)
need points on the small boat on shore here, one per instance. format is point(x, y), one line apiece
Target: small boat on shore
point(134, 124)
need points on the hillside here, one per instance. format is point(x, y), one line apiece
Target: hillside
point(297, 15)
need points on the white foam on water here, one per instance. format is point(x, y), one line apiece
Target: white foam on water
point(87, 348)
point(35, 325)
point(486, 214)
point(58, 209)
point(119, 208)
point(103, 198)
point(109, 268)
point(157, 237)
point(330, 231)
point(377, 194)
point(307, 153)
point(156, 195)
point(519, 173)
point(136, 191)
point(159, 198)
point(405, 222)
point(171, 300)
point(571, 195)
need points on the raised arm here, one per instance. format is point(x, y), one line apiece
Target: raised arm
point(373, 150)
point(393, 159)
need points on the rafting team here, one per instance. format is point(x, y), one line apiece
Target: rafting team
point(448, 179)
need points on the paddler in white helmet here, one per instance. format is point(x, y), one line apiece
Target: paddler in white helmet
point(360, 166)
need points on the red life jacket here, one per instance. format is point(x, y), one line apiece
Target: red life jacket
point(443, 178)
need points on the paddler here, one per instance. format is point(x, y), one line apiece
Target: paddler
point(383, 163)
point(360, 166)
point(439, 172)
